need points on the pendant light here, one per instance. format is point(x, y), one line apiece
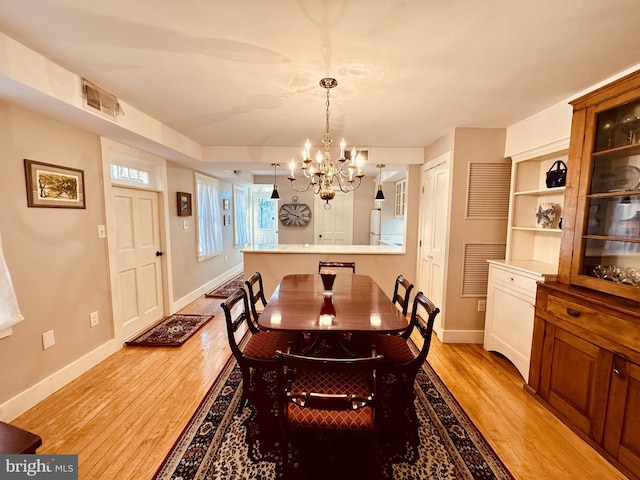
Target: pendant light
point(275, 195)
point(380, 194)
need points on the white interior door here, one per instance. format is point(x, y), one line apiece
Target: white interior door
point(139, 259)
point(265, 218)
point(433, 232)
point(334, 226)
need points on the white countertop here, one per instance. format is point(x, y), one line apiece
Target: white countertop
point(530, 266)
point(346, 249)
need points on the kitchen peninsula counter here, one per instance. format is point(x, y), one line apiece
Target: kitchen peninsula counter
point(382, 262)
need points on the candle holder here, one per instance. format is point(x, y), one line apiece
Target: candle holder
point(327, 312)
point(328, 277)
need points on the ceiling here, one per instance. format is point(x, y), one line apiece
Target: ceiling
point(246, 72)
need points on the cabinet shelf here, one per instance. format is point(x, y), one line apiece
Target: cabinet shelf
point(612, 239)
point(624, 150)
point(541, 192)
point(614, 193)
point(537, 229)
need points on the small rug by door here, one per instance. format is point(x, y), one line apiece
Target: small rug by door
point(227, 288)
point(173, 331)
point(438, 441)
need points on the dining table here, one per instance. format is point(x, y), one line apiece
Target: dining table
point(356, 303)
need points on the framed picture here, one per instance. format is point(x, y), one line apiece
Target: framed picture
point(184, 204)
point(53, 186)
point(226, 220)
point(225, 204)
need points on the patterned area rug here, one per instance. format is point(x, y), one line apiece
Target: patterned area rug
point(173, 331)
point(437, 441)
point(227, 288)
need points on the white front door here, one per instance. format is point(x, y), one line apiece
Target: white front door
point(265, 218)
point(334, 226)
point(139, 259)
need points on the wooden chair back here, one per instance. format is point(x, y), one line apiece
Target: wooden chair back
point(323, 264)
point(236, 313)
point(402, 294)
point(327, 395)
point(256, 294)
point(423, 316)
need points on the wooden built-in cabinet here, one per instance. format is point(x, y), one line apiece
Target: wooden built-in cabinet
point(585, 355)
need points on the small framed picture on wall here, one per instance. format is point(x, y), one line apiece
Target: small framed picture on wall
point(184, 204)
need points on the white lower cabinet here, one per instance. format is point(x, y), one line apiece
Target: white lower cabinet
point(511, 298)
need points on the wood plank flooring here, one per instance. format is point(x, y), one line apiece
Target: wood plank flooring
point(123, 416)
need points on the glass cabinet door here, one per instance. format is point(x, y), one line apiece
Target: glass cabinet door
point(610, 241)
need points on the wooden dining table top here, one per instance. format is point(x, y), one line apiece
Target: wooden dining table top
point(358, 304)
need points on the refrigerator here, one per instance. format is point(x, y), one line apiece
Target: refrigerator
point(374, 227)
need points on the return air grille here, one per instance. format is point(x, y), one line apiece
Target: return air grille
point(488, 194)
point(475, 274)
point(98, 100)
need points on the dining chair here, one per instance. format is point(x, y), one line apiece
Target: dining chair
point(399, 357)
point(402, 294)
point(351, 265)
point(327, 396)
point(256, 294)
point(258, 352)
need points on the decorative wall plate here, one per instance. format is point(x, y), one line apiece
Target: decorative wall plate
point(625, 178)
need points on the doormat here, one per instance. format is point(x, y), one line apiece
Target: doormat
point(227, 288)
point(437, 441)
point(173, 331)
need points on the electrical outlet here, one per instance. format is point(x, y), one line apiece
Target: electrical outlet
point(94, 319)
point(482, 305)
point(48, 340)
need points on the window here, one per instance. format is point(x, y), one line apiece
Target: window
point(241, 223)
point(209, 219)
point(120, 172)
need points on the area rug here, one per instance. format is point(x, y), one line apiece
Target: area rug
point(437, 441)
point(173, 331)
point(227, 288)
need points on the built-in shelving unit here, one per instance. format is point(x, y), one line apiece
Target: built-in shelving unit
point(531, 256)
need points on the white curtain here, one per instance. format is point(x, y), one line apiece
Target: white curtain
point(241, 218)
point(9, 309)
point(209, 218)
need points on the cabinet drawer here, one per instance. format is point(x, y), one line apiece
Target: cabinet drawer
point(616, 329)
point(515, 279)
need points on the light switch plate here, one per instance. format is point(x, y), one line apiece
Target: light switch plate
point(48, 340)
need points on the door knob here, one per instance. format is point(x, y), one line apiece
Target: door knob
point(158, 253)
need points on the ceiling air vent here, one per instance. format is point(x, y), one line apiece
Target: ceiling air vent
point(98, 100)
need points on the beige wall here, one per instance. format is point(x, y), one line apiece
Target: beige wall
point(57, 263)
point(460, 315)
point(59, 266)
point(189, 274)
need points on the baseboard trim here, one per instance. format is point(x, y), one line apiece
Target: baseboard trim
point(198, 292)
point(30, 397)
point(461, 336)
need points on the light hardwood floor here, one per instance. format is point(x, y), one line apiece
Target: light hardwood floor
point(123, 416)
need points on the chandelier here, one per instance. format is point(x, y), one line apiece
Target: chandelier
point(325, 175)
